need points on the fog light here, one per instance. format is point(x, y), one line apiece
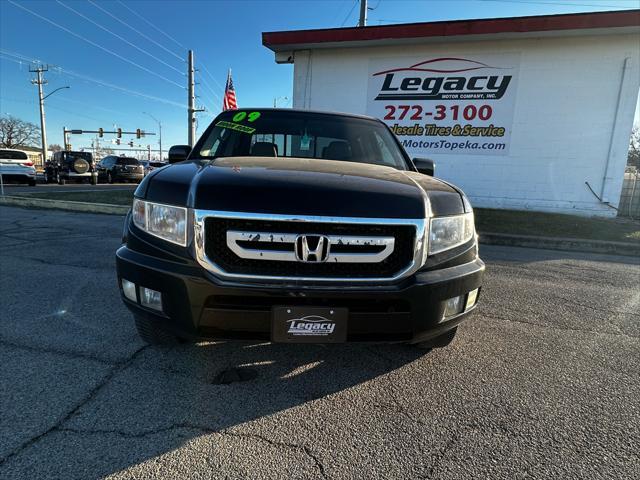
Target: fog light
point(150, 298)
point(129, 290)
point(471, 299)
point(454, 306)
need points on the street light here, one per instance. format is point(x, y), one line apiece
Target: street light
point(51, 93)
point(159, 131)
point(43, 125)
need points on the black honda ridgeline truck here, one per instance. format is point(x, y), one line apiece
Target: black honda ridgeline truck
point(298, 226)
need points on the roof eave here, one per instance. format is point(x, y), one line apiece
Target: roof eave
point(598, 23)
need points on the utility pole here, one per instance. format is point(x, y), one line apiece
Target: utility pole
point(160, 131)
point(39, 80)
point(275, 100)
point(65, 139)
point(363, 13)
point(191, 100)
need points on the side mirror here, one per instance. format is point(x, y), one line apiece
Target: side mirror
point(178, 153)
point(425, 166)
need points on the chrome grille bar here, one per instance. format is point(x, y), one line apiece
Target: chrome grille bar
point(288, 240)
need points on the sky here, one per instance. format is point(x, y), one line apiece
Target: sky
point(122, 59)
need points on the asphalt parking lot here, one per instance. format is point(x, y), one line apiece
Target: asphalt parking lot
point(541, 383)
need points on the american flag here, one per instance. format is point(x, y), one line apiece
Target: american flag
point(229, 102)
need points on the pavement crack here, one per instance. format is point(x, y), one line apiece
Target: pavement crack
point(189, 426)
point(557, 327)
point(58, 264)
point(117, 368)
point(442, 452)
point(54, 351)
point(125, 434)
point(307, 451)
point(596, 309)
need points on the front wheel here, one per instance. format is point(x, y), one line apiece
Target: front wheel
point(32, 182)
point(152, 334)
point(438, 342)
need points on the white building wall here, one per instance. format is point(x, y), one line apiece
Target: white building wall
point(574, 109)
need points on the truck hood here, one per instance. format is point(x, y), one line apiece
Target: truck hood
point(298, 186)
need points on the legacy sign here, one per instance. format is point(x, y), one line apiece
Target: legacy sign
point(446, 104)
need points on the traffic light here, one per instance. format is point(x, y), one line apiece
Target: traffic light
point(138, 133)
point(101, 132)
point(117, 141)
point(119, 133)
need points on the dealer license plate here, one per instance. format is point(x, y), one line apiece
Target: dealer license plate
point(309, 324)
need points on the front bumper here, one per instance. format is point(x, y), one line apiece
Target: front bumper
point(198, 305)
point(130, 175)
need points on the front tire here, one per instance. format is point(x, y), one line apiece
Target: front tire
point(152, 334)
point(32, 183)
point(438, 342)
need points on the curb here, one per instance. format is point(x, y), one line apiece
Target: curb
point(559, 243)
point(64, 205)
point(550, 243)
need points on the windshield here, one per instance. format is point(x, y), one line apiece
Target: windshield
point(300, 134)
point(72, 156)
point(127, 161)
point(13, 155)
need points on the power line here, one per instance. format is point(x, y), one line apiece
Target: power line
point(206, 84)
point(123, 89)
point(349, 14)
point(206, 70)
point(33, 102)
point(136, 30)
point(61, 70)
point(152, 25)
point(534, 2)
point(93, 43)
point(119, 37)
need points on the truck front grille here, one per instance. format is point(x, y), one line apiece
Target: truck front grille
point(239, 246)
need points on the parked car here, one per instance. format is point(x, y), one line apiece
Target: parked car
point(150, 166)
point(15, 167)
point(70, 166)
point(120, 169)
point(299, 226)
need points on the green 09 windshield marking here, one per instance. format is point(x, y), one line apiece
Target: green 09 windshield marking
point(251, 117)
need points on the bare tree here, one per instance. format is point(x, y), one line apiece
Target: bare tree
point(54, 147)
point(18, 133)
point(633, 157)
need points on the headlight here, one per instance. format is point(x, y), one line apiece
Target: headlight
point(163, 221)
point(449, 232)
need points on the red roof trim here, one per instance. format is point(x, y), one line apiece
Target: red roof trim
point(542, 23)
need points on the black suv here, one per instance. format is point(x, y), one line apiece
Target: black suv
point(67, 166)
point(298, 226)
point(118, 169)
